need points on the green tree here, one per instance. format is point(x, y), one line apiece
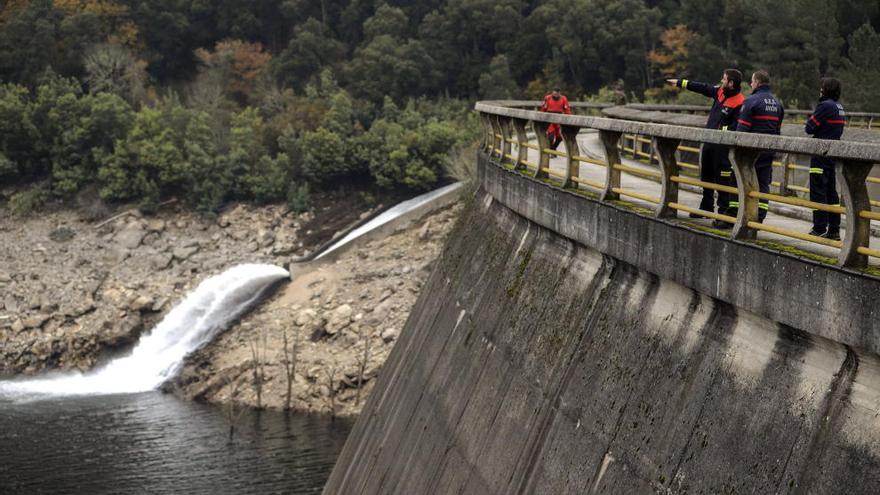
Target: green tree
point(324, 156)
point(464, 35)
point(17, 133)
point(390, 66)
point(796, 41)
point(151, 160)
point(92, 125)
point(387, 20)
point(862, 71)
point(312, 48)
point(497, 83)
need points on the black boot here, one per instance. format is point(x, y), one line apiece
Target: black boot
point(834, 235)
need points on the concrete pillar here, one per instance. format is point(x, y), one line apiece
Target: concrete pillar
point(851, 177)
point(666, 152)
point(569, 137)
point(522, 138)
point(504, 125)
point(496, 141)
point(488, 137)
point(743, 161)
point(543, 143)
point(612, 157)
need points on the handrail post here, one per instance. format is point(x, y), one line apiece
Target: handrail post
point(612, 157)
point(666, 151)
point(743, 161)
point(522, 138)
point(543, 143)
point(504, 125)
point(569, 137)
point(851, 176)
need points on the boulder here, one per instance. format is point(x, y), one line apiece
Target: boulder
point(339, 319)
point(239, 234)
point(11, 303)
point(265, 238)
point(120, 332)
point(425, 231)
point(62, 234)
point(142, 303)
point(161, 261)
point(156, 225)
point(283, 249)
point(35, 321)
point(389, 335)
point(159, 304)
point(131, 236)
point(183, 253)
point(379, 314)
point(305, 317)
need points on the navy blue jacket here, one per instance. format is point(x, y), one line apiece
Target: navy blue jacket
point(762, 113)
point(725, 107)
point(827, 121)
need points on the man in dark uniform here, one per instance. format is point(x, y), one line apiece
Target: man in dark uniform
point(762, 113)
point(826, 122)
point(726, 102)
point(555, 102)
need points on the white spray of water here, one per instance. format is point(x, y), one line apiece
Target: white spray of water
point(389, 215)
point(158, 356)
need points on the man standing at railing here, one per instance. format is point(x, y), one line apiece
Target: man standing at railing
point(762, 113)
point(714, 163)
point(555, 102)
point(826, 122)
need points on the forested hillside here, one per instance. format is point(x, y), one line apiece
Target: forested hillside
point(267, 100)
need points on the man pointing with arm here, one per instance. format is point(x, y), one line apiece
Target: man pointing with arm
point(727, 99)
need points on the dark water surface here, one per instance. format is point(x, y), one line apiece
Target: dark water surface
point(155, 443)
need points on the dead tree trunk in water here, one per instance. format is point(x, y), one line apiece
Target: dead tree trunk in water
point(330, 373)
point(289, 362)
point(258, 352)
point(365, 357)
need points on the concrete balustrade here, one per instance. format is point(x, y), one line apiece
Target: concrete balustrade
point(506, 123)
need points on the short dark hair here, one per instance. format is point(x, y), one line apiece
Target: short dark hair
point(830, 87)
point(761, 76)
point(734, 76)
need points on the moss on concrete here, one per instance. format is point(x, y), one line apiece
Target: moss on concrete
point(709, 230)
point(784, 248)
point(513, 288)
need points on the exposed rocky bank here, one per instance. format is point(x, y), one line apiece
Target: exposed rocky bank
point(74, 292)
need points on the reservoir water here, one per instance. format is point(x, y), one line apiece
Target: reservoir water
point(154, 443)
point(109, 431)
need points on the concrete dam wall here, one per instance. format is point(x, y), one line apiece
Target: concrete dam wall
point(534, 363)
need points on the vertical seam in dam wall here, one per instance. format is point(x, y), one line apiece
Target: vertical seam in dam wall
point(533, 363)
point(829, 418)
point(839, 304)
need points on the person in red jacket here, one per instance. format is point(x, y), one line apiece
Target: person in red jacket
point(555, 102)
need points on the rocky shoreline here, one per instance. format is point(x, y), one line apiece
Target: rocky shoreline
point(76, 292)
